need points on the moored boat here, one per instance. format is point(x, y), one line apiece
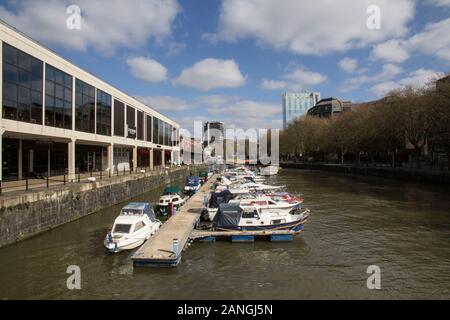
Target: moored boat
point(233, 216)
point(192, 185)
point(170, 195)
point(135, 224)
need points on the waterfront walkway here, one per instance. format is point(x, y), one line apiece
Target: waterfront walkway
point(159, 251)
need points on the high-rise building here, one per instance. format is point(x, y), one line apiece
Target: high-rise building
point(296, 105)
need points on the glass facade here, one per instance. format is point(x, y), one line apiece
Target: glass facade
point(131, 122)
point(84, 107)
point(140, 125)
point(119, 118)
point(103, 113)
point(296, 105)
point(22, 86)
point(58, 98)
point(149, 129)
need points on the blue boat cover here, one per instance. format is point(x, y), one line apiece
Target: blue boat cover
point(228, 215)
point(142, 206)
point(192, 181)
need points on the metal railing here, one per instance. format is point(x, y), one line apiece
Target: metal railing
point(46, 181)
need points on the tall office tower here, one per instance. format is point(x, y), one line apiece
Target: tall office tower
point(296, 105)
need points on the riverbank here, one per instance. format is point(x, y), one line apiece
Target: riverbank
point(26, 214)
point(404, 174)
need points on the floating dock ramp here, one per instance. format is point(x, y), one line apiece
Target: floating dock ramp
point(159, 250)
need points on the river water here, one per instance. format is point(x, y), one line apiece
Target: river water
point(356, 222)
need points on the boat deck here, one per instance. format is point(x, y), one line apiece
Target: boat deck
point(158, 250)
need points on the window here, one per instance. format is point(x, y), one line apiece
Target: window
point(140, 125)
point(84, 107)
point(103, 113)
point(139, 225)
point(131, 122)
point(22, 86)
point(58, 98)
point(250, 215)
point(149, 128)
point(119, 118)
point(155, 130)
point(122, 228)
point(161, 132)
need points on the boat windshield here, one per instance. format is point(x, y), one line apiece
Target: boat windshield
point(122, 228)
point(130, 212)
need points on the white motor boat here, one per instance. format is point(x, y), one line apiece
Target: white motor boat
point(269, 170)
point(135, 224)
point(232, 216)
point(264, 202)
point(170, 195)
point(255, 187)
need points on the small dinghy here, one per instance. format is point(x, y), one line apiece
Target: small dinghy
point(135, 224)
point(170, 195)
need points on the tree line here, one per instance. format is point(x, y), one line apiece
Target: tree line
point(388, 130)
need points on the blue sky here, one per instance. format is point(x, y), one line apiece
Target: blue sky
point(231, 60)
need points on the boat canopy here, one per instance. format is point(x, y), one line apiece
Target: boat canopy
point(171, 190)
point(228, 215)
point(192, 181)
point(139, 208)
point(219, 197)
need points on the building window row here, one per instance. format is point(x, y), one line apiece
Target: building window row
point(24, 97)
point(58, 98)
point(22, 86)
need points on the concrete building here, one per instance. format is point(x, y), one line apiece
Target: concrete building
point(330, 108)
point(296, 105)
point(60, 119)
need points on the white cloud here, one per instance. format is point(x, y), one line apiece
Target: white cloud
point(349, 65)
point(433, 40)
point(302, 77)
point(273, 84)
point(147, 69)
point(311, 27)
point(416, 79)
point(166, 103)
point(104, 26)
point(393, 51)
point(297, 79)
point(211, 74)
point(386, 74)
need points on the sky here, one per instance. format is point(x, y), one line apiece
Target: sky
point(231, 60)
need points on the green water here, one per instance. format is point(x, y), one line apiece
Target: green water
point(356, 222)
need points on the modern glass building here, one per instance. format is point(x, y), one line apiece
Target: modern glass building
point(296, 105)
point(59, 119)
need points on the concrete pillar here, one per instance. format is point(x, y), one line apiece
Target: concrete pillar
point(134, 158)
point(171, 158)
point(163, 158)
point(151, 159)
point(71, 160)
point(111, 158)
point(20, 160)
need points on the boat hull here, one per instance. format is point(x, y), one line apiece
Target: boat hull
point(296, 226)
